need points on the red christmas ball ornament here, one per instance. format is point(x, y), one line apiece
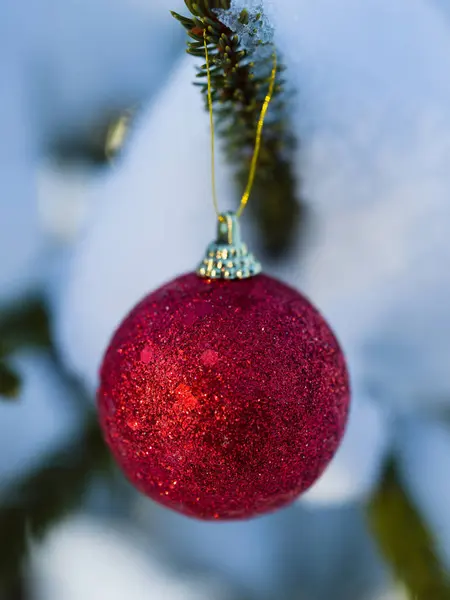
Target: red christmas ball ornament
point(222, 398)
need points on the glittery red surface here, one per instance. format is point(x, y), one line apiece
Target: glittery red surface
point(223, 400)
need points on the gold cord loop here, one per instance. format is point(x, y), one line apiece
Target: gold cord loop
point(259, 131)
point(211, 126)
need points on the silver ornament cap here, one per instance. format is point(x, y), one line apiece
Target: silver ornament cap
point(228, 257)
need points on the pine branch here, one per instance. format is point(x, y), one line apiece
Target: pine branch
point(30, 507)
point(9, 382)
point(240, 80)
point(97, 146)
point(405, 541)
point(22, 325)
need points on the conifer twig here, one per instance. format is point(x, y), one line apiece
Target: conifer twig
point(29, 507)
point(405, 541)
point(22, 325)
point(240, 79)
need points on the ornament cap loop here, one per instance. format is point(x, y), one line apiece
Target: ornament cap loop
point(228, 257)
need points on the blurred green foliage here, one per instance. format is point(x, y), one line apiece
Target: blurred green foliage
point(46, 495)
point(30, 506)
point(404, 540)
point(9, 382)
point(22, 325)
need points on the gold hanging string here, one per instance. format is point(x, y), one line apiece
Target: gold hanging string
point(259, 131)
point(211, 129)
